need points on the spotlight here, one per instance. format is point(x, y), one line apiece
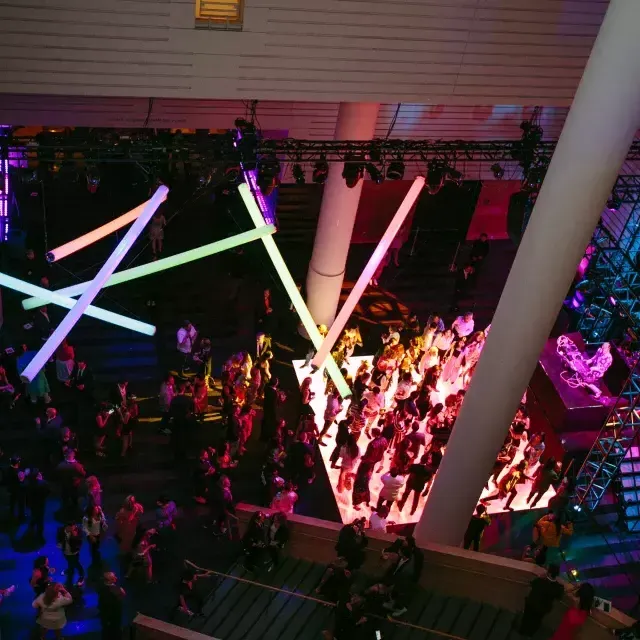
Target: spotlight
point(353, 172)
point(452, 175)
point(435, 176)
point(320, 171)
point(577, 507)
point(374, 173)
point(613, 203)
point(395, 171)
point(268, 175)
point(375, 155)
point(574, 573)
point(298, 174)
point(498, 171)
point(93, 179)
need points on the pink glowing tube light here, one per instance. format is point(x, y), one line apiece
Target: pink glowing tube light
point(97, 234)
point(70, 320)
point(358, 289)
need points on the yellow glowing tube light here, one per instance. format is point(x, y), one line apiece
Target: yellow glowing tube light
point(289, 284)
point(93, 236)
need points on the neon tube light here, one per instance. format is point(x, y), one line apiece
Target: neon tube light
point(54, 297)
point(291, 288)
point(4, 200)
point(366, 275)
point(161, 265)
point(69, 321)
point(97, 234)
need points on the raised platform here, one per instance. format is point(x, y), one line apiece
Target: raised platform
point(567, 408)
point(343, 499)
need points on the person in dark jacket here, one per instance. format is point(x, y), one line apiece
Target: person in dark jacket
point(544, 592)
point(71, 475)
point(352, 541)
point(277, 536)
point(110, 601)
point(479, 521)
point(37, 494)
point(349, 618)
point(342, 436)
point(14, 479)
point(70, 541)
point(403, 574)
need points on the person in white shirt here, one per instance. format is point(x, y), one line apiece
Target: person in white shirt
point(429, 334)
point(463, 325)
point(93, 524)
point(186, 338)
point(333, 408)
point(375, 403)
point(378, 519)
point(443, 342)
point(392, 482)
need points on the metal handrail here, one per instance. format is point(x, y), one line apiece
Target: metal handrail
point(319, 601)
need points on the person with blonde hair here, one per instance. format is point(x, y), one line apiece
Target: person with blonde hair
point(50, 606)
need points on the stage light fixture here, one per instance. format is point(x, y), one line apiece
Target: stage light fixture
point(395, 171)
point(453, 175)
point(69, 321)
point(232, 171)
point(375, 154)
point(374, 173)
point(160, 265)
point(498, 171)
point(268, 175)
point(298, 173)
point(93, 179)
point(292, 290)
point(614, 203)
point(45, 296)
point(353, 171)
point(435, 176)
point(320, 171)
point(358, 289)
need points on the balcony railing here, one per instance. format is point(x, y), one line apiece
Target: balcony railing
point(219, 14)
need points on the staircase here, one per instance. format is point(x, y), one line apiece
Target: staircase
point(282, 605)
point(628, 494)
point(297, 213)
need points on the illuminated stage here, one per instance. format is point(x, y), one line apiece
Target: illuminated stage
point(343, 500)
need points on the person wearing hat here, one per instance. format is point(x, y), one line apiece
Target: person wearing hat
point(110, 599)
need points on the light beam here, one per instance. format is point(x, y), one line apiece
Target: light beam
point(88, 296)
point(161, 265)
point(366, 275)
point(289, 284)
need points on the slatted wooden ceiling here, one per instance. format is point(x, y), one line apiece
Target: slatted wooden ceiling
point(469, 52)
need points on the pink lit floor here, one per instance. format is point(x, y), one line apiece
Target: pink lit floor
point(347, 512)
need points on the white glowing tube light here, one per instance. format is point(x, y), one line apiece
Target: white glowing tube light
point(56, 298)
point(97, 234)
point(289, 284)
point(69, 321)
point(161, 265)
point(366, 275)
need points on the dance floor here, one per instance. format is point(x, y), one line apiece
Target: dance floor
point(347, 512)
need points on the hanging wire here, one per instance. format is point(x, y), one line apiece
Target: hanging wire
point(393, 121)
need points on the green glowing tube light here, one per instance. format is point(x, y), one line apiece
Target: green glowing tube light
point(53, 297)
point(289, 284)
point(161, 265)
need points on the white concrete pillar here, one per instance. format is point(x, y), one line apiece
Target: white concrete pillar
point(356, 121)
point(594, 142)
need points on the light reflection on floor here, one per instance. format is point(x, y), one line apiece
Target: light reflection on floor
point(343, 500)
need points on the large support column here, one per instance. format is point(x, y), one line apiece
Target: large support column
point(594, 142)
point(356, 121)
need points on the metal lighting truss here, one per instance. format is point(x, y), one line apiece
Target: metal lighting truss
point(144, 148)
point(613, 285)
